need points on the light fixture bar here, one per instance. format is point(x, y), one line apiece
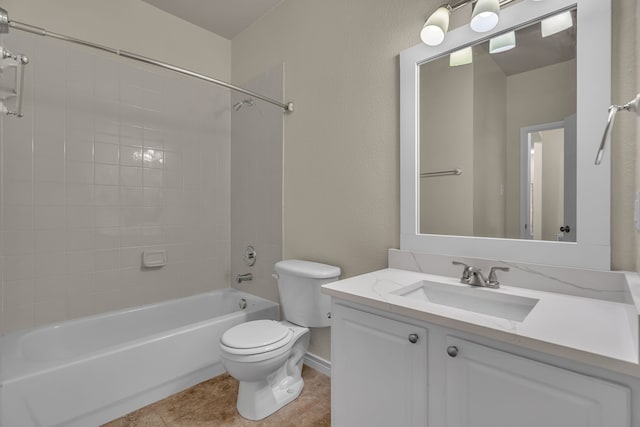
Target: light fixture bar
point(484, 18)
point(463, 3)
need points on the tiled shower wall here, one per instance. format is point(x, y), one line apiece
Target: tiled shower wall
point(110, 159)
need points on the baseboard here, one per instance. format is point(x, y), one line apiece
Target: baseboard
point(318, 363)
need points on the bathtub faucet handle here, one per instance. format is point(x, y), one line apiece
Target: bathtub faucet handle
point(244, 277)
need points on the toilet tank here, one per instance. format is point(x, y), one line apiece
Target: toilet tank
point(299, 283)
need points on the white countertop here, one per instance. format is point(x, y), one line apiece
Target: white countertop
point(593, 331)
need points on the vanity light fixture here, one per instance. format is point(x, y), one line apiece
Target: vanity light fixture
point(485, 17)
point(556, 23)
point(436, 26)
point(461, 57)
point(503, 42)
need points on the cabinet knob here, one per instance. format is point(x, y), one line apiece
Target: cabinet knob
point(452, 351)
point(413, 338)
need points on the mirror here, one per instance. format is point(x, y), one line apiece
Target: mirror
point(496, 152)
point(497, 92)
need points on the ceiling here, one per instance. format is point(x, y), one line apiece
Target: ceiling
point(534, 51)
point(227, 18)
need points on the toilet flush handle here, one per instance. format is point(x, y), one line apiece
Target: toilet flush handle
point(275, 276)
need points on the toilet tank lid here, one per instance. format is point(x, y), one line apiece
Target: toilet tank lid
point(308, 269)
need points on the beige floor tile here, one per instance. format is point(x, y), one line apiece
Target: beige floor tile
point(213, 404)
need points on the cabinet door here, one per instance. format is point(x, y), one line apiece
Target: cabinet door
point(378, 374)
point(491, 388)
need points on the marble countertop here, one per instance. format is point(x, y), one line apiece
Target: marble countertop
point(594, 331)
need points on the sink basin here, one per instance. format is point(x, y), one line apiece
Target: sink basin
point(477, 300)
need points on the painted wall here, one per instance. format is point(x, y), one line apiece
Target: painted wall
point(489, 140)
point(341, 170)
point(111, 158)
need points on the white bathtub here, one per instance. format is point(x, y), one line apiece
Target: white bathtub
point(89, 371)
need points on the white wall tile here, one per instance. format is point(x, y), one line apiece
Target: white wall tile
point(107, 237)
point(106, 153)
point(48, 193)
point(18, 193)
point(17, 217)
point(18, 317)
point(50, 240)
point(107, 281)
point(46, 217)
point(79, 145)
point(107, 195)
point(130, 176)
point(80, 216)
point(152, 177)
point(79, 239)
point(131, 156)
point(46, 169)
point(50, 311)
point(19, 292)
point(18, 267)
point(79, 172)
point(95, 173)
point(79, 194)
point(17, 242)
point(131, 196)
point(107, 259)
point(50, 287)
point(50, 264)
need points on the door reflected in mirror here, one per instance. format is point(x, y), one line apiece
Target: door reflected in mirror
point(497, 138)
point(548, 187)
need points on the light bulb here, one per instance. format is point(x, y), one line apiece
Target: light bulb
point(503, 42)
point(485, 16)
point(436, 27)
point(461, 57)
point(556, 23)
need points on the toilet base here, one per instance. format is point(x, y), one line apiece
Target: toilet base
point(259, 399)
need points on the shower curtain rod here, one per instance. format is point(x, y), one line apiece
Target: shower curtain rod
point(288, 107)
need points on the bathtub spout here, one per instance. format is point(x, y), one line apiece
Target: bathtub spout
point(244, 277)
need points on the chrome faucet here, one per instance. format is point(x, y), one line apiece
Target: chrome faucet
point(473, 276)
point(244, 277)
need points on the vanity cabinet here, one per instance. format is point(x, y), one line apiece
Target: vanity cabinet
point(381, 378)
point(379, 371)
point(488, 387)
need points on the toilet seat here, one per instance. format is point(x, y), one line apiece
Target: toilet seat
point(256, 337)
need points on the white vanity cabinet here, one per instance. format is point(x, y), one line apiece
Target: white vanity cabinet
point(488, 387)
point(380, 378)
point(379, 371)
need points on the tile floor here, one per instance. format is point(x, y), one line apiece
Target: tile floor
point(213, 403)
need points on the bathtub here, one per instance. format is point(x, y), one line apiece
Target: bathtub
point(91, 370)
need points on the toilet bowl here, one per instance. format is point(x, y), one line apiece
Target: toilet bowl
point(270, 373)
point(265, 355)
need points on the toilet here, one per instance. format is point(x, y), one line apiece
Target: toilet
point(266, 355)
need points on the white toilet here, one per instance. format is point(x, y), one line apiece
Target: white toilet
point(266, 355)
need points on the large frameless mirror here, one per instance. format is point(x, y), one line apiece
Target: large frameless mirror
point(498, 131)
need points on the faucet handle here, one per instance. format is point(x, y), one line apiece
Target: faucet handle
point(493, 278)
point(466, 273)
